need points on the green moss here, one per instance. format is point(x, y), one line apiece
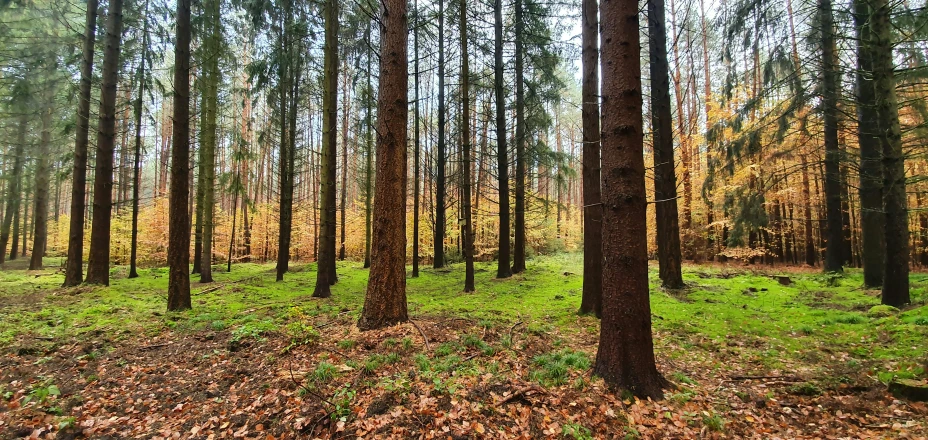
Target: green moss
point(882, 311)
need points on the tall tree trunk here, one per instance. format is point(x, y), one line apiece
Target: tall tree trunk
point(502, 153)
point(137, 160)
point(385, 302)
point(707, 97)
point(682, 129)
point(896, 269)
point(346, 105)
point(872, 232)
point(518, 253)
point(592, 300)
point(665, 180)
point(27, 203)
point(834, 254)
point(73, 274)
point(286, 173)
point(42, 175)
point(13, 198)
point(416, 171)
point(440, 152)
point(324, 274)
point(212, 78)
point(98, 264)
point(179, 232)
point(808, 240)
point(625, 358)
point(368, 167)
point(468, 235)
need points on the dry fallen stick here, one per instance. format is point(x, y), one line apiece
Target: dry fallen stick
point(780, 378)
point(424, 338)
point(511, 329)
point(519, 393)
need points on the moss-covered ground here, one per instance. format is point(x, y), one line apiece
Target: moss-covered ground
point(766, 336)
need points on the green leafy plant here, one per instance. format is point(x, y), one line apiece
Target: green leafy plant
point(714, 422)
point(342, 400)
point(576, 431)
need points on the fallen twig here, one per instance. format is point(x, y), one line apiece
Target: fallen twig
point(424, 338)
point(780, 378)
point(149, 347)
point(513, 328)
point(521, 392)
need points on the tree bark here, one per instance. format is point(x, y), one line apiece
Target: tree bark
point(468, 238)
point(440, 152)
point(74, 268)
point(625, 358)
point(896, 269)
point(42, 174)
point(665, 180)
point(502, 153)
point(385, 302)
point(212, 78)
point(13, 194)
point(416, 171)
point(592, 299)
point(871, 156)
point(324, 273)
point(137, 160)
point(98, 264)
point(346, 105)
point(179, 232)
point(834, 242)
point(518, 253)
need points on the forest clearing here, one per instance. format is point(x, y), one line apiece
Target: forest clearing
point(749, 356)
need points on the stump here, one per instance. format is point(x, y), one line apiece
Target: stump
point(784, 280)
point(913, 390)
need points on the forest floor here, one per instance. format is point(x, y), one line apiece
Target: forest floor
point(750, 358)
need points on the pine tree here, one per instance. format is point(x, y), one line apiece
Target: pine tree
point(74, 268)
point(625, 358)
point(98, 264)
point(385, 302)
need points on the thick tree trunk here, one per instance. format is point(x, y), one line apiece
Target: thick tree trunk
point(324, 273)
point(74, 269)
point(385, 302)
point(179, 232)
point(896, 269)
point(665, 180)
point(502, 153)
point(625, 358)
point(871, 156)
point(98, 264)
point(592, 299)
point(834, 250)
point(468, 233)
